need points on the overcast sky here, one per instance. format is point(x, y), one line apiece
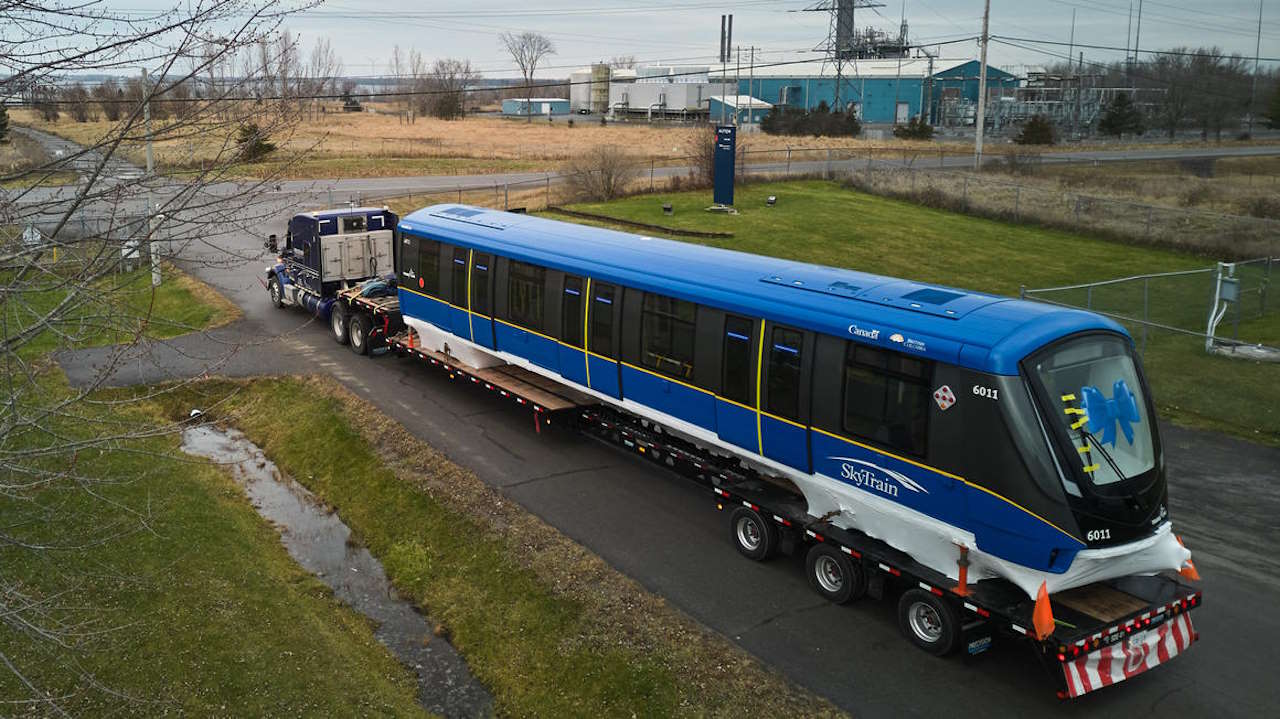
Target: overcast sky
point(687, 31)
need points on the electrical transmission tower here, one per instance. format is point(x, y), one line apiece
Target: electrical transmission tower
point(842, 43)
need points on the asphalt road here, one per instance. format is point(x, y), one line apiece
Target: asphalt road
point(667, 534)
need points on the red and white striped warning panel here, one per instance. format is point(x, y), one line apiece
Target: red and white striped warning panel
point(1129, 657)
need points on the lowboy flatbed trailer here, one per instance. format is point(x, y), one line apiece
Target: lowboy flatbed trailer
point(1100, 634)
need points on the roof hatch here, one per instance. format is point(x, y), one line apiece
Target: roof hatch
point(936, 301)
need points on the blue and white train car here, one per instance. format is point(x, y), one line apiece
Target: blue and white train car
point(924, 416)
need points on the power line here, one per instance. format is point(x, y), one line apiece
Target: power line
point(1177, 53)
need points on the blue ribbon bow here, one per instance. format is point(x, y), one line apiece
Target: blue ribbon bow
point(1104, 414)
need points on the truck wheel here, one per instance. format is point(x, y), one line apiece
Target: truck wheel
point(755, 537)
point(834, 575)
point(358, 333)
point(273, 289)
point(930, 622)
point(338, 323)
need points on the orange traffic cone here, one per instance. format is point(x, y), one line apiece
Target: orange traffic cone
point(1042, 615)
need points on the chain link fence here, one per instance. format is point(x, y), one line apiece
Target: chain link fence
point(1185, 303)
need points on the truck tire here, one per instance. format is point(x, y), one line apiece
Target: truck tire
point(358, 332)
point(338, 323)
point(835, 575)
point(929, 621)
point(276, 291)
point(755, 537)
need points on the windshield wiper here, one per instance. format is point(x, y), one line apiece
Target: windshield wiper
point(1105, 455)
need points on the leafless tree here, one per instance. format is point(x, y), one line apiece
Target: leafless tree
point(527, 49)
point(449, 80)
point(601, 173)
point(620, 62)
point(67, 287)
point(108, 94)
point(322, 73)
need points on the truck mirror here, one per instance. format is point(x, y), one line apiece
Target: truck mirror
point(272, 244)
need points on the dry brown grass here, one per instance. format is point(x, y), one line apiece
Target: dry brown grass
point(20, 155)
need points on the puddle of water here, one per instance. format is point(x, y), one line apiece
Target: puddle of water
point(320, 542)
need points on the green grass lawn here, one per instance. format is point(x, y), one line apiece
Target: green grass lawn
point(542, 647)
point(192, 606)
point(822, 222)
point(125, 306)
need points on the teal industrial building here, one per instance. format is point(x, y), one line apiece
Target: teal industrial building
point(878, 91)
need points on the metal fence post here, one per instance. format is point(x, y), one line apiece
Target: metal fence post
point(459, 194)
point(1017, 200)
point(1088, 295)
point(1077, 211)
point(650, 174)
point(1148, 230)
point(506, 196)
point(826, 173)
point(1146, 313)
point(788, 161)
point(548, 190)
point(964, 197)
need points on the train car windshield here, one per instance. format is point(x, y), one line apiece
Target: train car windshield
point(1095, 399)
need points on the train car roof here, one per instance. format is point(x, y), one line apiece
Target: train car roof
point(343, 212)
point(981, 331)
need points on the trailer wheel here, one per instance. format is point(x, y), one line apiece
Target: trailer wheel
point(358, 332)
point(273, 289)
point(929, 622)
point(834, 575)
point(755, 537)
point(338, 323)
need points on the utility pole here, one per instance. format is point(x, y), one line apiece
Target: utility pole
point(1137, 36)
point(751, 83)
point(1071, 44)
point(1128, 37)
point(737, 85)
point(1257, 49)
point(982, 85)
point(151, 207)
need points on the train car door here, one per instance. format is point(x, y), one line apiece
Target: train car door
point(736, 403)
point(573, 355)
point(784, 403)
point(481, 306)
point(604, 315)
point(459, 317)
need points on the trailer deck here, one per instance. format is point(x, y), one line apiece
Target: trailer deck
point(544, 396)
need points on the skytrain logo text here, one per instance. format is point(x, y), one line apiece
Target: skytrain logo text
point(866, 475)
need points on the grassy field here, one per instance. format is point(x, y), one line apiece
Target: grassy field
point(128, 306)
point(18, 156)
point(191, 605)
point(195, 608)
point(824, 223)
point(1240, 186)
point(551, 629)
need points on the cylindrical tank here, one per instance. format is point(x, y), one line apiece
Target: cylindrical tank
point(580, 89)
point(600, 87)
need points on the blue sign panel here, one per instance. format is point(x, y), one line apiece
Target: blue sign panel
point(726, 141)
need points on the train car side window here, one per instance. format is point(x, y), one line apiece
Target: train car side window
point(886, 397)
point(410, 266)
point(783, 391)
point(428, 267)
point(736, 383)
point(459, 277)
point(667, 335)
point(525, 287)
point(481, 267)
point(603, 297)
point(571, 311)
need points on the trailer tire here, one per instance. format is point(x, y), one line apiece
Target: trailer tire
point(754, 536)
point(929, 622)
point(276, 291)
point(338, 323)
point(834, 575)
point(358, 332)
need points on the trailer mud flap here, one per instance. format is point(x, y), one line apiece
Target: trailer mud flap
point(1129, 657)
